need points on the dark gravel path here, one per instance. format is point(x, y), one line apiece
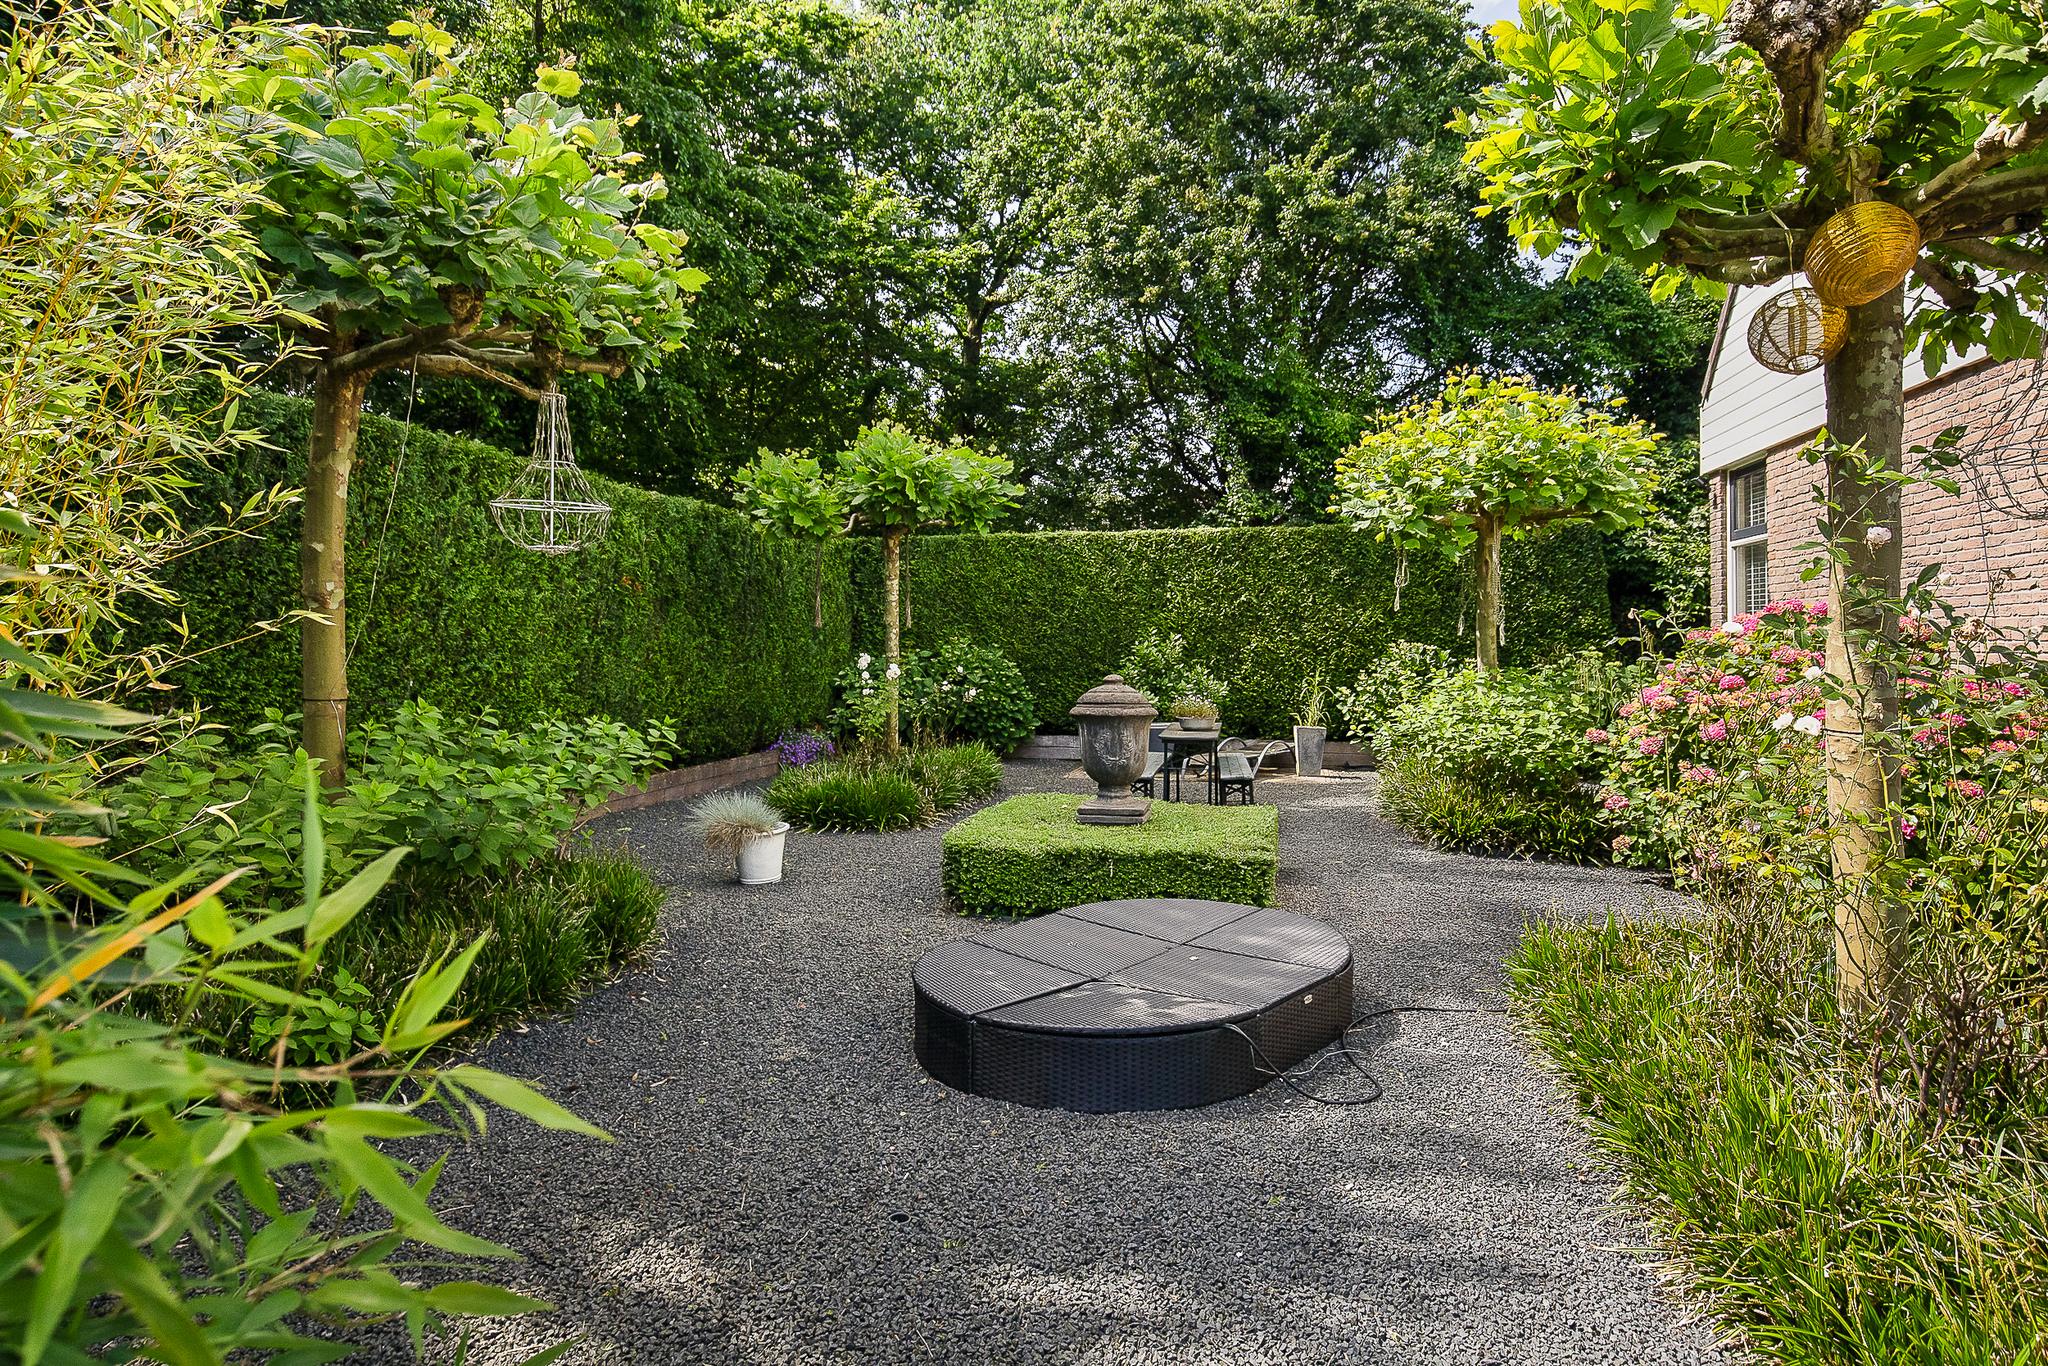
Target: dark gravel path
point(788, 1187)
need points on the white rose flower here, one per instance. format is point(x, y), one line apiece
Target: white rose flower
point(973, 693)
point(1877, 536)
point(1733, 627)
point(864, 661)
point(893, 671)
point(1784, 720)
point(1807, 725)
point(1815, 672)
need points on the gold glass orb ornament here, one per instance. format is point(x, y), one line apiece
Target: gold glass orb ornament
point(1862, 252)
point(1796, 332)
point(551, 507)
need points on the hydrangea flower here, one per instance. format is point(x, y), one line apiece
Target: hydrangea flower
point(1597, 736)
point(1714, 730)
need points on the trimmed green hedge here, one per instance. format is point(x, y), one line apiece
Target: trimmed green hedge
point(1028, 855)
point(683, 611)
point(1264, 607)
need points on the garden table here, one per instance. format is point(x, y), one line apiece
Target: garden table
point(1175, 739)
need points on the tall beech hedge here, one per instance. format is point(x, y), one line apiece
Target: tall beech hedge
point(683, 611)
point(1265, 607)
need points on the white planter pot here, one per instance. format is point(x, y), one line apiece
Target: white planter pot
point(761, 857)
point(1308, 751)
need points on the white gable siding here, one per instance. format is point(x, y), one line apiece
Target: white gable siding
point(1747, 409)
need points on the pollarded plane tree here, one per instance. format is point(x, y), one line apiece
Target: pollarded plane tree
point(1490, 460)
point(1714, 143)
point(890, 481)
point(415, 226)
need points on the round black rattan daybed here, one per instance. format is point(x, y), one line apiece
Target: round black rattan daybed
point(1131, 1005)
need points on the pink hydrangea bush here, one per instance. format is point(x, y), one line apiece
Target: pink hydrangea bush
point(1705, 770)
point(1714, 769)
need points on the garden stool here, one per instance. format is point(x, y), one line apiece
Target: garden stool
point(1155, 1004)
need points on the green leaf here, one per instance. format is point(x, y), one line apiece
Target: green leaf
point(481, 1300)
point(521, 1098)
point(89, 1211)
point(343, 905)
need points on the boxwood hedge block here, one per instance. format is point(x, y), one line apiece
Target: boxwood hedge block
point(1028, 855)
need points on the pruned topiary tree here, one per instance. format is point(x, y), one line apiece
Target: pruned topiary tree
point(415, 226)
point(1486, 461)
point(1708, 141)
point(891, 481)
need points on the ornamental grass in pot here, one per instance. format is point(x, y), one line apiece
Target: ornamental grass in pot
point(1309, 731)
point(742, 826)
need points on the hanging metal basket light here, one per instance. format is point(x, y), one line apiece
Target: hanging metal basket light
point(1796, 332)
point(551, 507)
point(1862, 252)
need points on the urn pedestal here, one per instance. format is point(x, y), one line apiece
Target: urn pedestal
point(1115, 721)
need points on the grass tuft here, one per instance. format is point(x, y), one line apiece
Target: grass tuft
point(1815, 1211)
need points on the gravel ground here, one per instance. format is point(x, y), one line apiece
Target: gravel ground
point(788, 1186)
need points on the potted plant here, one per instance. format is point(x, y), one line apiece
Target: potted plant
point(1309, 731)
point(1192, 711)
point(745, 828)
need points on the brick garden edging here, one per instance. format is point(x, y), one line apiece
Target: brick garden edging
point(694, 781)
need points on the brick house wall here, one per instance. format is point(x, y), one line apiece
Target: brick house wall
point(1997, 561)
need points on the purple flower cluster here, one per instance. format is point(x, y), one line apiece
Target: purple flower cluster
point(797, 748)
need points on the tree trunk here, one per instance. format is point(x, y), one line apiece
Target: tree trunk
point(1866, 404)
point(323, 659)
point(1486, 623)
point(892, 629)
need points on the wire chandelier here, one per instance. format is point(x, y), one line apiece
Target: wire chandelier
point(551, 508)
point(2008, 456)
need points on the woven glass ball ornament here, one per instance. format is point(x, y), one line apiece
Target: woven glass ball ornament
point(1862, 252)
point(1795, 332)
point(550, 507)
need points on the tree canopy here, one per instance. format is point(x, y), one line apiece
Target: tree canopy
point(1166, 256)
point(1491, 459)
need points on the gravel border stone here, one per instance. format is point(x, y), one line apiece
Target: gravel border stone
point(787, 1186)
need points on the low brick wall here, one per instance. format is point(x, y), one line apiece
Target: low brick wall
point(677, 784)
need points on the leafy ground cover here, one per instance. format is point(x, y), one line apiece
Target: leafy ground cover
point(1028, 855)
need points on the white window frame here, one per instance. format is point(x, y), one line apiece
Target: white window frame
point(1740, 538)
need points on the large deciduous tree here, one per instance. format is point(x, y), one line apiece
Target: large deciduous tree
point(1490, 460)
point(415, 226)
point(1710, 140)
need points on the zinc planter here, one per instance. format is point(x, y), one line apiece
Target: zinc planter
point(761, 857)
point(1308, 751)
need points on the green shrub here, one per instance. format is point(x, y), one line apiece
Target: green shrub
point(1029, 854)
point(962, 691)
point(1816, 1213)
point(848, 794)
point(1261, 607)
point(683, 611)
point(472, 797)
point(1406, 671)
point(556, 926)
point(1500, 762)
point(1457, 813)
point(953, 775)
point(871, 790)
point(1158, 666)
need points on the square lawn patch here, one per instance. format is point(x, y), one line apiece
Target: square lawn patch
point(1029, 854)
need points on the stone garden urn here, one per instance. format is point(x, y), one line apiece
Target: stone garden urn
point(1115, 721)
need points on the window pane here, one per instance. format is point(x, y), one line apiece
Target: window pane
point(1754, 576)
point(1746, 500)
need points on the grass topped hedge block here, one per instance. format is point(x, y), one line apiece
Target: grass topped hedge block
point(1028, 855)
